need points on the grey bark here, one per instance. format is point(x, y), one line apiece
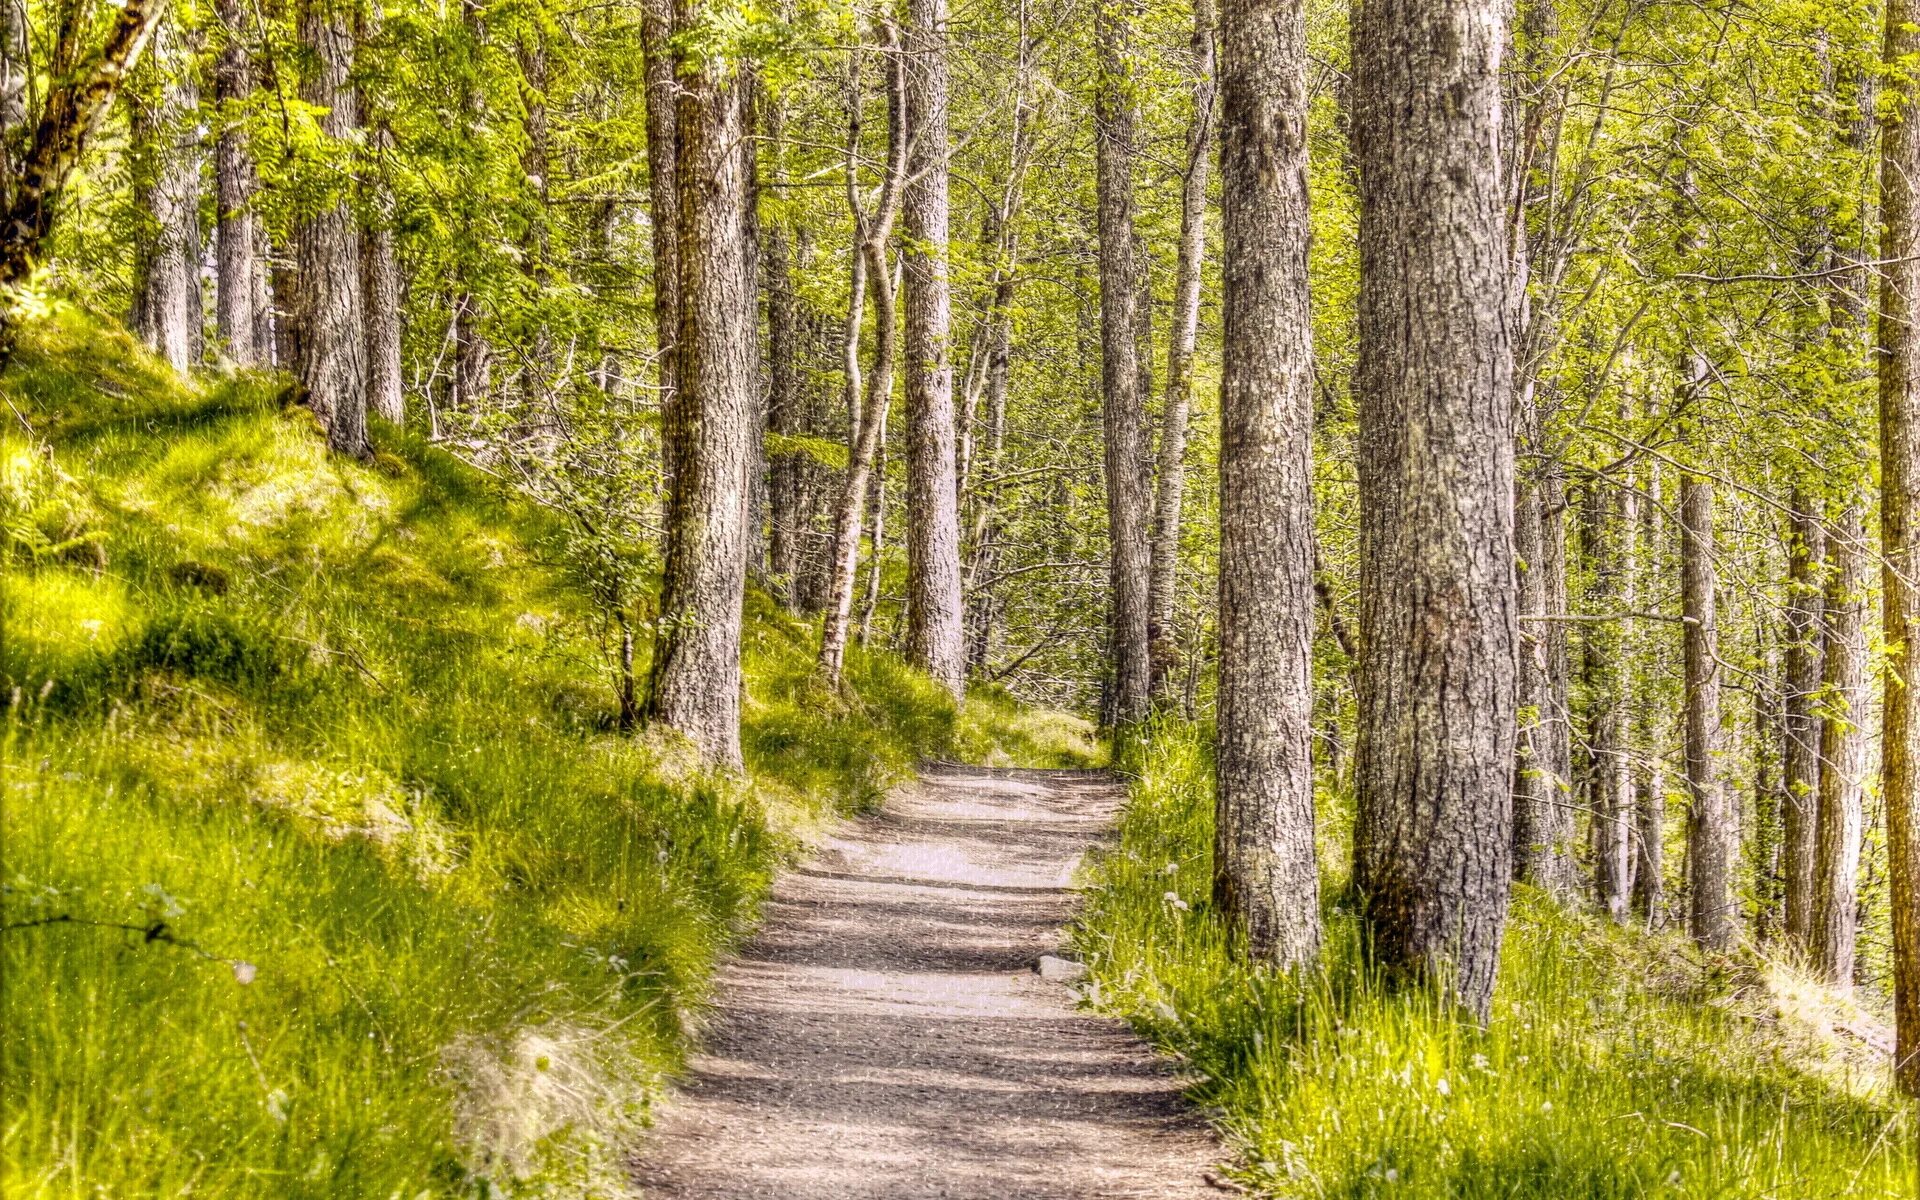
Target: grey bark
point(1123, 407)
point(1433, 835)
point(1710, 832)
point(332, 364)
point(1610, 789)
point(695, 684)
point(472, 350)
point(236, 233)
point(1543, 826)
point(167, 311)
point(786, 400)
point(935, 629)
point(656, 29)
point(1171, 475)
point(1649, 785)
point(1833, 926)
point(1265, 876)
point(1799, 726)
point(380, 268)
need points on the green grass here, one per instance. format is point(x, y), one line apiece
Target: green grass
point(1616, 1065)
point(350, 887)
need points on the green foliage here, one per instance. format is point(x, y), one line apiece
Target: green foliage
point(341, 735)
point(1614, 1065)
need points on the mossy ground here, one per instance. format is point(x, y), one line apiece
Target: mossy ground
point(352, 887)
point(1616, 1064)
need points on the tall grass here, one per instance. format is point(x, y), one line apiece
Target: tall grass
point(324, 871)
point(1614, 1066)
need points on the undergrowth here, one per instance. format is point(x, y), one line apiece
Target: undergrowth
point(1616, 1064)
point(325, 871)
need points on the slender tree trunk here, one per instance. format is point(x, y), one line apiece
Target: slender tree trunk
point(13, 89)
point(1171, 478)
point(166, 300)
point(1710, 832)
point(1843, 755)
point(1123, 406)
point(1265, 874)
point(1650, 785)
point(1799, 726)
point(876, 535)
point(237, 238)
point(1607, 703)
point(1543, 834)
point(380, 265)
point(1899, 532)
point(472, 351)
point(868, 393)
point(935, 631)
point(786, 402)
point(333, 366)
point(1433, 836)
point(663, 210)
point(695, 685)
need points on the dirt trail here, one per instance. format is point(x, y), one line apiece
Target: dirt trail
point(885, 1036)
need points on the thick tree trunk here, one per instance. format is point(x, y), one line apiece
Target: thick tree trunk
point(332, 365)
point(656, 30)
point(236, 232)
point(1433, 836)
point(1710, 832)
point(1899, 533)
point(935, 631)
point(1265, 874)
point(695, 686)
point(1611, 788)
point(1171, 478)
point(1799, 726)
point(1843, 754)
point(167, 312)
point(1123, 407)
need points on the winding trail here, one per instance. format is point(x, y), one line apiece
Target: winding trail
point(885, 1037)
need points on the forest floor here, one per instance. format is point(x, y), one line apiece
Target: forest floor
point(886, 1034)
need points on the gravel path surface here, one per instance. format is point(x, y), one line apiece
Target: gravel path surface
point(885, 1035)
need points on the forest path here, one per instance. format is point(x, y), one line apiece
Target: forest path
point(885, 1035)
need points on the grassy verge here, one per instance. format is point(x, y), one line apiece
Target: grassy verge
point(324, 873)
point(1616, 1065)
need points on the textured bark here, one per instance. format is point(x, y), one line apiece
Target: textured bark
point(695, 685)
point(1843, 755)
point(1265, 877)
point(1710, 833)
point(73, 107)
point(1650, 784)
point(380, 268)
point(1543, 833)
point(1171, 476)
point(869, 392)
point(1122, 405)
point(167, 311)
point(1799, 727)
point(13, 88)
point(472, 350)
point(1899, 532)
point(656, 29)
point(1433, 835)
point(236, 231)
point(1610, 782)
point(786, 401)
point(936, 637)
point(332, 363)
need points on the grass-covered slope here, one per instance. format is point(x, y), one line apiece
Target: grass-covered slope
point(1616, 1065)
point(324, 874)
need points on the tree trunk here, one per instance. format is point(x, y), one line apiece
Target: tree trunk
point(1123, 407)
point(695, 686)
point(1171, 479)
point(472, 351)
point(166, 288)
point(1433, 836)
point(1843, 754)
point(1543, 832)
point(1611, 789)
point(1650, 785)
point(935, 632)
point(1799, 727)
point(380, 269)
point(1899, 532)
point(1265, 875)
point(656, 30)
point(1710, 833)
point(14, 62)
point(869, 393)
point(236, 233)
point(786, 401)
point(332, 368)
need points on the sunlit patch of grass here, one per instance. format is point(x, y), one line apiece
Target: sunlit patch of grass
point(1615, 1065)
point(346, 885)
